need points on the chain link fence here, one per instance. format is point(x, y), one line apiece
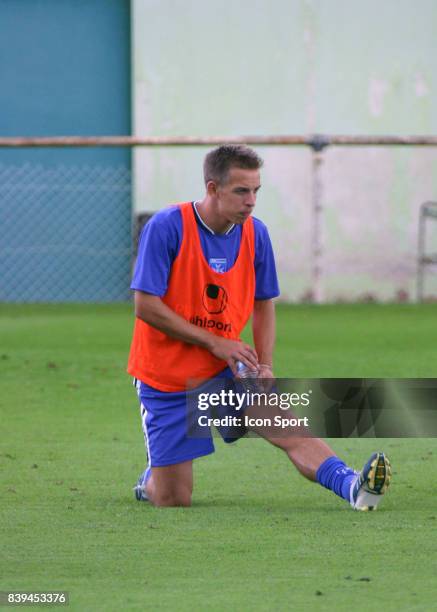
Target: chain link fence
point(66, 233)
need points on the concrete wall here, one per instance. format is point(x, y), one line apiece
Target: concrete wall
point(298, 66)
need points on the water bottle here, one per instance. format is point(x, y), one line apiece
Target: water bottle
point(245, 372)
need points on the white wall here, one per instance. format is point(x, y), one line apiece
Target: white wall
point(297, 67)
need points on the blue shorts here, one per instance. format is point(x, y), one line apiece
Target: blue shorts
point(165, 419)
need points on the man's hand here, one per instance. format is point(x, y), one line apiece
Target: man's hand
point(232, 351)
point(265, 370)
point(265, 373)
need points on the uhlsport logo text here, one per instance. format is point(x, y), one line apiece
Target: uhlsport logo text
point(210, 323)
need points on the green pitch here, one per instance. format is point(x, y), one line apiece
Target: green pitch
point(258, 537)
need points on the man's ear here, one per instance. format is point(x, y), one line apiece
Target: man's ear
point(211, 188)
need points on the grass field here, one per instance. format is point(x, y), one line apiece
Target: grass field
point(258, 537)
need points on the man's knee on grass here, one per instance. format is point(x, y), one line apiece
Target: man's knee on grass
point(171, 497)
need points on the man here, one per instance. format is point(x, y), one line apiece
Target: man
point(203, 269)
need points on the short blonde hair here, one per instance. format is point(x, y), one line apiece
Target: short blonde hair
point(219, 161)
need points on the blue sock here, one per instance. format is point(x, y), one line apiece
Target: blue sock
point(335, 475)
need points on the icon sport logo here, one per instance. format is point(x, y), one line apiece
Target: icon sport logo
point(214, 298)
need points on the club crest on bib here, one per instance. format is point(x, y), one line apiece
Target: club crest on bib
point(214, 298)
point(218, 264)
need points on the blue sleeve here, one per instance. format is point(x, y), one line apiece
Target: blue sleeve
point(158, 246)
point(267, 285)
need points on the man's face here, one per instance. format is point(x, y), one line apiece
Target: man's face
point(236, 199)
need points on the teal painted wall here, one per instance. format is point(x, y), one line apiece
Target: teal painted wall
point(65, 214)
point(297, 67)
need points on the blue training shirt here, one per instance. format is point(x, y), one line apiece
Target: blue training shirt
point(161, 239)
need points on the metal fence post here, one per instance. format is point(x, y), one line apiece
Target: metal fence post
point(428, 210)
point(317, 143)
point(421, 250)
